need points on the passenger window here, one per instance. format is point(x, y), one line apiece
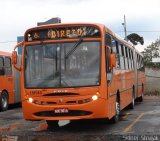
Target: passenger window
point(126, 58)
point(114, 49)
point(142, 65)
point(117, 56)
point(122, 50)
point(117, 48)
point(107, 61)
point(8, 66)
point(108, 40)
point(108, 69)
point(122, 60)
point(126, 52)
point(1, 66)
point(137, 61)
point(132, 60)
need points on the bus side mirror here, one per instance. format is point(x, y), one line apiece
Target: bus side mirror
point(14, 60)
point(112, 60)
point(14, 57)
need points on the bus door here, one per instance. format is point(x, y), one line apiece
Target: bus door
point(109, 73)
point(109, 76)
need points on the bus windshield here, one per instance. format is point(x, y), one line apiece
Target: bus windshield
point(52, 65)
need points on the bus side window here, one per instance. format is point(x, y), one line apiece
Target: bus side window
point(122, 58)
point(142, 65)
point(126, 57)
point(117, 55)
point(137, 62)
point(132, 60)
point(108, 40)
point(8, 66)
point(108, 69)
point(129, 54)
point(114, 49)
point(1, 66)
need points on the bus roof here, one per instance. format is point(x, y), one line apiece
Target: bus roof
point(65, 24)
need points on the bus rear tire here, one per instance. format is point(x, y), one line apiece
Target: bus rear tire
point(52, 124)
point(4, 101)
point(140, 99)
point(132, 104)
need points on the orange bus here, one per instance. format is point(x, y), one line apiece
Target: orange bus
point(9, 89)
point(78, 71)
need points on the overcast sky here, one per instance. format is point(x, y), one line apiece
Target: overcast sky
point(142, 16)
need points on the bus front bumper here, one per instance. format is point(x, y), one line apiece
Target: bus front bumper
point(89, 110)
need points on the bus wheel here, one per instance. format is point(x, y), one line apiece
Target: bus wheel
point(140, 99)
point(115, 119)
point(4, 101)
point(52, 124)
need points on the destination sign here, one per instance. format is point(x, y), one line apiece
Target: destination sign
point(62, 33)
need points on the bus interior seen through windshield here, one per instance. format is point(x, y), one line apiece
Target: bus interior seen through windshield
point(56, 65)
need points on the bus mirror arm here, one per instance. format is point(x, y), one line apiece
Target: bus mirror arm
point(14, 57)
point(112, 60)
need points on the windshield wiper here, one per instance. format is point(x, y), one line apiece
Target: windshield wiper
point(77, 44)
point(74, 48)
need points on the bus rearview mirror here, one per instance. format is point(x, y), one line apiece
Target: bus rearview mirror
point(14, 60)
point(112, 60)
point(14, 57)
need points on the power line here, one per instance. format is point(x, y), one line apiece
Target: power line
point(3, 42)
point(142, 31)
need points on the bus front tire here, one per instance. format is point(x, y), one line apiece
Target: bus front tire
point(115, 119)
point(4, 101)
point(52, 124)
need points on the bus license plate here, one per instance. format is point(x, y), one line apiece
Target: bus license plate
point(60, 110)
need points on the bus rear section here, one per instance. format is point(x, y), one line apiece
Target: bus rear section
point(8, 93)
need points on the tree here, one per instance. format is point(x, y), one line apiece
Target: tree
point(152, 51)
point(135, 38)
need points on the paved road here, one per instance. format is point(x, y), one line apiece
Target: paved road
point(143, 120)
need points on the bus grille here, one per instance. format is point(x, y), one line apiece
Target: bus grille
point(70, 113)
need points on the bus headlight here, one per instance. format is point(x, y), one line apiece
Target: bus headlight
point(94, 97)
point(30, 100)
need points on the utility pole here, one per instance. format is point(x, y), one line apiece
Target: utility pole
point(125, 28)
